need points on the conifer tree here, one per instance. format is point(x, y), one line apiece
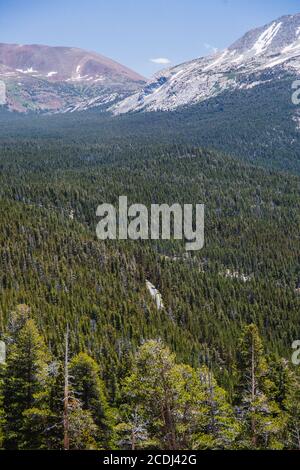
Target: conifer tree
point(26, 390)
point(260, 415)
point(222, 429)
point(292, 406)
point(89, 389)
point(132, 430)
point(82, 428)
point(169, 397)
point(2, 413)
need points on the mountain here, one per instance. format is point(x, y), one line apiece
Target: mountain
point(43, 78)
point(261, 56)
point(64, 79)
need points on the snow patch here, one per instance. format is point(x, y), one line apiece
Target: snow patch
point(266, 38)
point(248, 86)
point(51, 74)
point(216, 62)
point(292, 47)
point(29, 70)
point(99, 79)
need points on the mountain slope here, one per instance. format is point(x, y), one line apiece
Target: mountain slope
point(44, 78)
point(260, 56)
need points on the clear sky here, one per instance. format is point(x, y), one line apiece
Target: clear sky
point(138, 33)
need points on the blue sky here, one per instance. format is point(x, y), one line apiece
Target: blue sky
point(134, 32)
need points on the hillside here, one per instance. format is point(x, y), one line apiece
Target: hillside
point(260, 57)
point(61, 79)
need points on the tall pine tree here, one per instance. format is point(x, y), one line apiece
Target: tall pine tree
point(89, 389)
point(261, 417)
point(26, 390)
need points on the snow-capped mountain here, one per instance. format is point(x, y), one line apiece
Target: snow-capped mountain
point(60, 79)
point(63, 79)
point(260, 56)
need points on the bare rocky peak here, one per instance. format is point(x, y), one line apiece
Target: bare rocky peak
point(258, 57)
point(63, 63)
point(61, 79)
point(272, 37)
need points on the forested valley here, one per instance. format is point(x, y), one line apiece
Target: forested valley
point(212, 369)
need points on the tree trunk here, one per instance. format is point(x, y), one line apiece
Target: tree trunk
point(253, 395)
point(66, 395)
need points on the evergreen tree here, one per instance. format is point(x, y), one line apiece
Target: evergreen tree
point(261, 417)
point(82, 428)
point(2, 413)
point(222, 429)
point(132, 430)
point(169, 397)
point(26, 390)
point(292, 406)
point(89, 389)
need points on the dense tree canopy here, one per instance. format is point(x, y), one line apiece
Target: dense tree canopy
point(215, 362)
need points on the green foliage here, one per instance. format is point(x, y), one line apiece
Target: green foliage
point(164, 404)
point(263, 420)
point(247, 274)
point(83, 430)
point(223, 429)
point(89, 389)
point(292, 408)
point(26, 390)
point(2, 413)
point(184, 408)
